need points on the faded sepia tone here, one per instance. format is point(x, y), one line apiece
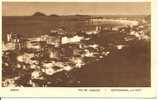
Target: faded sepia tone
point(72, 8)
point(52, 44)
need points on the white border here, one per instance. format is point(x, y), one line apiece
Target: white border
point(77, 0)
point(145, 92)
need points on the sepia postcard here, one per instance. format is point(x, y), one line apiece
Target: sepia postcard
point(77, 48)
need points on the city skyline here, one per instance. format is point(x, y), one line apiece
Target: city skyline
point(72, 8)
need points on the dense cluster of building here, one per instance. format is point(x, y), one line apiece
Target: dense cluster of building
point(39, 58)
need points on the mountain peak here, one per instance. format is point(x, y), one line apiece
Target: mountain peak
point(39, 14)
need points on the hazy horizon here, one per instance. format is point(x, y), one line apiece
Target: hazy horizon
point(72, 8)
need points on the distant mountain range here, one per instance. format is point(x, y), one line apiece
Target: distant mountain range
point(54, 15)
point(39, 14)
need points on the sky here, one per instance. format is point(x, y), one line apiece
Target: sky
point(72, 8)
